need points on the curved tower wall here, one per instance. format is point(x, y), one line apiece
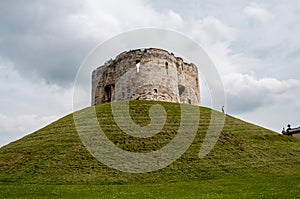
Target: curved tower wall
point(149, 74)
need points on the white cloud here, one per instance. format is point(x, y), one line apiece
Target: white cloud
point(258, 12)
point(238, 83)
point(15, 127)
point(27, 105)
point(210, 30)
point(246, 93)
point(215, 37)
point(101, 20)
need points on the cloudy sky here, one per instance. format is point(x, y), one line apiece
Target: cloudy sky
point(255, 46)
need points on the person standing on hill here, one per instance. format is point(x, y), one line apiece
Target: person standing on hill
point(288, 129)
point(283, 131)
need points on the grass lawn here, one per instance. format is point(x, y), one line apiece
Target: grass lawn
point(248, 161)
point(234, 187)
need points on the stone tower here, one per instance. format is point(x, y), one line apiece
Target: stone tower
point(146, 74)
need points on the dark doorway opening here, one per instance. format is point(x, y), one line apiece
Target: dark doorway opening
point(108, 91)
point(181, 89)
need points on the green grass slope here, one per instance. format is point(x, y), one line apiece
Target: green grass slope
point(55, 154)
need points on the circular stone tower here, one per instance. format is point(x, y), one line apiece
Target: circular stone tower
point(146, 74)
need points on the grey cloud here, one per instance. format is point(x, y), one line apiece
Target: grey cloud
point(237, 104)
point(246, 101)
point(35, 38)
point(49, 40)
point(246, 93)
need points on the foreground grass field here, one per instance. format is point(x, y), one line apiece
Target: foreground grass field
point(217, 188)
point(247, 162)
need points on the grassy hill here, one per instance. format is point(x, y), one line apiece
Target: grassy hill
point(246, 157)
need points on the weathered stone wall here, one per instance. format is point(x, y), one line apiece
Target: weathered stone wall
point(150, 74)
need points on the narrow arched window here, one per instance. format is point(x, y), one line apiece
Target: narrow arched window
point(167, 67)
point(137, 65)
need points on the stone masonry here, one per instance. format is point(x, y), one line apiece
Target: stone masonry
point(146, 74)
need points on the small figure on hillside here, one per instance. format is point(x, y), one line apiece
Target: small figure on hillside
point(283, 131)
point(288, 129)
point(223, 111)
